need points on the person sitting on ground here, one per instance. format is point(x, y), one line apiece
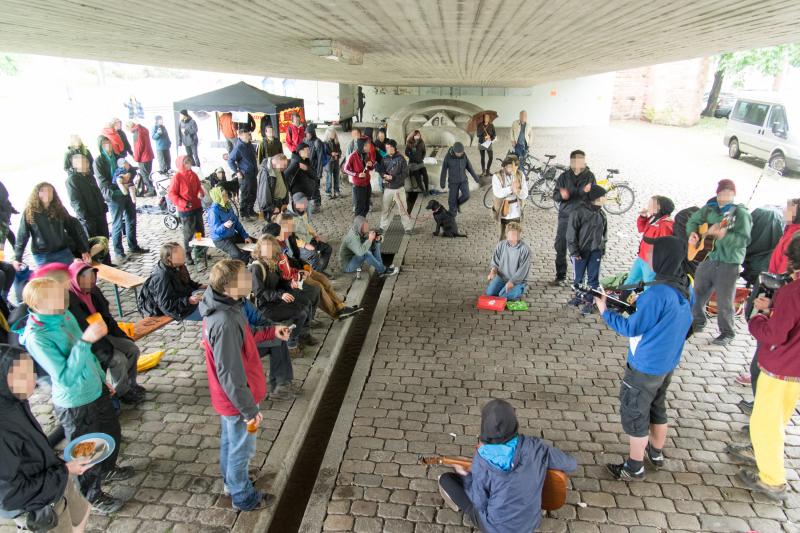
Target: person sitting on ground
point(511, 263)
point(34, 481)
point(313, 249)
point(272, 195)
point(654, 221)
point(657, 332)
point(235, 377)
point(55, 236)
point(225, 228)
point(358, 166)
point(510, 189)
point(502, 493)
point(170, 291)
point(455, 167)
point(776, 328)
point(393, 170)
point(81, 400)
point(586, 242)
point(730, 225)
point(186, 193)
point(117, 353)
point(275, 297)
point(361, 245)
point(572, 187)
point(331, 303)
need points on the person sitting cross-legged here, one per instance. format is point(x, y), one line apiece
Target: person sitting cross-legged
point(226, 229)
point(360, 246)
point(170, 291)
point(503, 491)
point(511, 263)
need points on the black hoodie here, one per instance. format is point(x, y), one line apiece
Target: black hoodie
point(299, 180)
point(31, 475)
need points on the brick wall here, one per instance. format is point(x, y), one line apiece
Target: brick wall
point(630, 92)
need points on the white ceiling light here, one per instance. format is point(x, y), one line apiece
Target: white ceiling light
point(336, 51)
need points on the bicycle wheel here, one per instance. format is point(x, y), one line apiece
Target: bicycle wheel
point(488, 198)
point(541, 193)
point(619, 199)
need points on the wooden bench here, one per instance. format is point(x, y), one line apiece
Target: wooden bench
point(206, 242)
point(148, 325)
point(120, 279)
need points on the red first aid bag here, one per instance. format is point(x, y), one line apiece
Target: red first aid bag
point(491, 303)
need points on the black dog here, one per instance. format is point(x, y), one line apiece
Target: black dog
point(444, 220)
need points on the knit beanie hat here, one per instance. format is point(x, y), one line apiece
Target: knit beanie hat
point(498, 422)
point(458, 148)
point(726, 185)
point(596, 192)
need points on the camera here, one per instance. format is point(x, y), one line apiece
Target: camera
point(768, 283)
point(378, 234)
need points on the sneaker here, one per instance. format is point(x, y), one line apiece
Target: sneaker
point(119, 473)
point(281, 393)
point(621, 473)
point(587, 309)
point(744, 379)
point(265, 501)
point(558, 282)
point(105, 504)
point(348, 312)
point(742, 452)
point(656, 460)
point(722, 340)
point(752, 481)
point(139, 250)
point(390, 271)
point(746, 407)
point(575, 301)
point(448, 501)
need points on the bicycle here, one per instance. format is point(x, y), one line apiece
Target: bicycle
point(540, 192)
point(620, 197)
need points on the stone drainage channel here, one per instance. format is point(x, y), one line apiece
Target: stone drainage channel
point(310, 477)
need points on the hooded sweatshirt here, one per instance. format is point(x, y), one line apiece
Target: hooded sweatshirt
point(353, 244)
point(235, 376)
point(31, 474)
point(219, 214)
point(359, 165)
point(659, 225)
point(512, 262)
point(455, 168)
point(658, 329)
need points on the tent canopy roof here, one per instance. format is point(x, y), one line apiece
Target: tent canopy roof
point(238, 97)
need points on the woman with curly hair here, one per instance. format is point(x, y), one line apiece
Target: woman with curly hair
point(415, 151)
point(56, 236)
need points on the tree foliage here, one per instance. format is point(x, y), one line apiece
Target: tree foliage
point(769, 61)
point(8, 66)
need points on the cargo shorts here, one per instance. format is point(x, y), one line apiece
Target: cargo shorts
point(642, 399)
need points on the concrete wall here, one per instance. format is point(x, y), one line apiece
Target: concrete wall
point(578, 102)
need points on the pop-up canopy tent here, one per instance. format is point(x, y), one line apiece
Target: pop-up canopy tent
point(240, 97)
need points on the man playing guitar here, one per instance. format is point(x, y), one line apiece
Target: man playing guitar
point(729, 225)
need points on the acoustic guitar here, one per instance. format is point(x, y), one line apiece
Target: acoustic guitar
point(554, 490)
point(706, 243)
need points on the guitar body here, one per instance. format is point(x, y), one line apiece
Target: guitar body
point(554, 490)
point(705, 245)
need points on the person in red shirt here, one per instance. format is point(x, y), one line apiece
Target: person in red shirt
point(654, 221)
point(295, 133)
point(776, 327)
point(143, 154)
point(236, 379)
point(187, 193)
point(359, 166)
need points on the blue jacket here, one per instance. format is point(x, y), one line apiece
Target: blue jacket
point(161, 136)
point(243, 158)
point(657, 330)
point(511, 502)
point(217, 217)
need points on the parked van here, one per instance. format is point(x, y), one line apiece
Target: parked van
point(766, 126)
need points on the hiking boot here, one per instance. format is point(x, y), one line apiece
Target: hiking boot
point(722, 340)
point(746, 407)
point(742, 452)
point(587, 309)
point(558, 282)
point(752, 481)
point(347, 312)
point(390, 271)
point(656, 459)
point(621, 472)
point(744, 379)
point(119, 473)
point(105, 504)
point(265, 501)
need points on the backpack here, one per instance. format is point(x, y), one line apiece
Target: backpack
point(680, 220)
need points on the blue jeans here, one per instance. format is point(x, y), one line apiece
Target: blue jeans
point(497, 287)
point(458, 194)
point(520, 150)
point(194, 315)
point(588, 267)
point(62, 256)
point(123, 211)
point(236, 448)
point(640, 271)
point(372, 258)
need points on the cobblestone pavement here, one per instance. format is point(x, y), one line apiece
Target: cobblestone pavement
point(172, 438)
point(439, 360)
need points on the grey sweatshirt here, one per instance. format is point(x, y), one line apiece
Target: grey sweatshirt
point(512, 262)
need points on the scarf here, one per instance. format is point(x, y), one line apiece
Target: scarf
point(85, 298)
point(218, 197)
point(500, 455)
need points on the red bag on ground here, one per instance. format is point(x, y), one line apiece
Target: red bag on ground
point(491, 303)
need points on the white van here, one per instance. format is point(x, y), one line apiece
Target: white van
point(767, 126)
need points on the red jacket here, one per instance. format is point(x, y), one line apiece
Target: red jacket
point(142, 149)
point(116, 141)
point(294, 136)
point(779, 335)
point(778, 263)
point(652, 230)
point(185, 191)
point(358, 170)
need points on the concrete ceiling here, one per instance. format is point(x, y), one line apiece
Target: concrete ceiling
point(502, 43)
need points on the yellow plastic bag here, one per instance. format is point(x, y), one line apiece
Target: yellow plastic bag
point(127, 328)
point(148, 361)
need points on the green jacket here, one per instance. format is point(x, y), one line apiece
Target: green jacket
point(54, 341)
point(352, 246)
point(731, 248)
